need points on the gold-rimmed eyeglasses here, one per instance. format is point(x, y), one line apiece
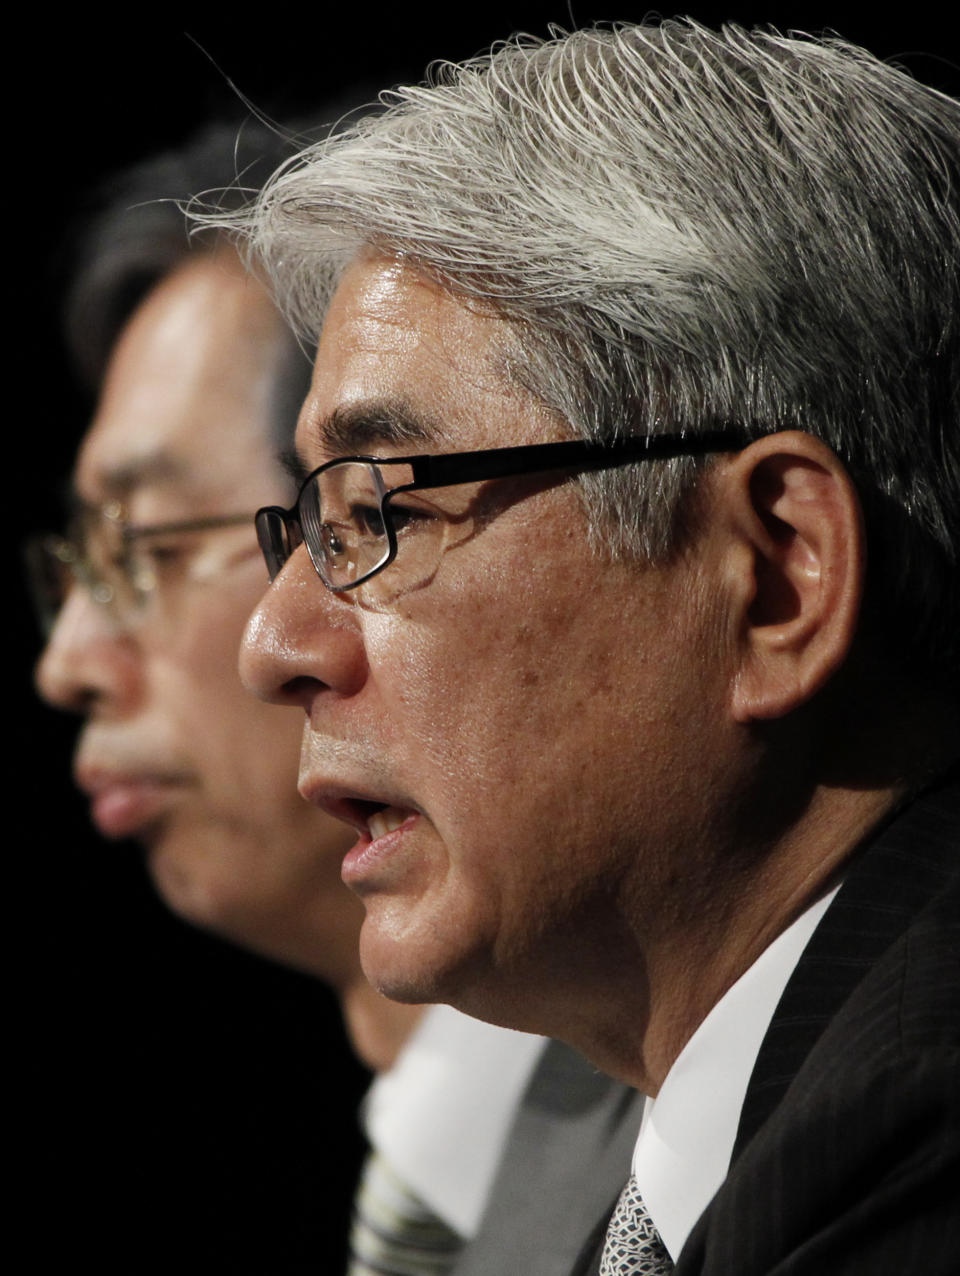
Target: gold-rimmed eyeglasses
point(119, 563)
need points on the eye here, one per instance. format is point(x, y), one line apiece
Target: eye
point(149, 561)
point(163, 554)
point(368, 520)
point(333, 545)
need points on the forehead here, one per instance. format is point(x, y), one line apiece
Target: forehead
point(402, 361)
point(189, 396)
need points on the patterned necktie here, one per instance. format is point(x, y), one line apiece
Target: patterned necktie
point(633, 1247)
point(393, 1232)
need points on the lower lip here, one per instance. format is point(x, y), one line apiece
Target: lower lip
point(121, 809)
point(366, 856)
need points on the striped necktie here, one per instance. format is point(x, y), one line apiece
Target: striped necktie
point(393, 1232)
point(633, 1246)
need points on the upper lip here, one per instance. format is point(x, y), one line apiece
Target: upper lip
point(352, 806)
point(93, 778)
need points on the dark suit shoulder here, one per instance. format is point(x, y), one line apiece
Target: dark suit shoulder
point(908, 1002)
point(855, 1172)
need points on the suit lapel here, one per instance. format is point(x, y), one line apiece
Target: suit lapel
point(566, 1161)
point(886, 885)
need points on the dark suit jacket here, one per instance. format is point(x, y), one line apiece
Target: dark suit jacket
point(847, 1158)
point(567, 1156)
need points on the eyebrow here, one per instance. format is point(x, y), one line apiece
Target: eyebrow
point(292, 465)
point(118, 481)
point(363, 429)
point(154, 468)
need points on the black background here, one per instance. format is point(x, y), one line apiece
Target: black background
point(182, 1106)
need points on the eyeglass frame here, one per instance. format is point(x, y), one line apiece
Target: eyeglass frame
point(448, 469)
point(81, 566)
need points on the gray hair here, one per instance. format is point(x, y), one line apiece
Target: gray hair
point(685, 228)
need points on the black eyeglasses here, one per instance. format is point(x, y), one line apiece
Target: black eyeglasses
point(349, 517)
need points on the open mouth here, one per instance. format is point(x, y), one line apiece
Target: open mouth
point(381, 826)
point(376, 819)
point(385, 820)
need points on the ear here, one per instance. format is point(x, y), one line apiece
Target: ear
point(797, 566)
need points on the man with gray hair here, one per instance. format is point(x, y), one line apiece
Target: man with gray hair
point(621, 597)
point(145, 602)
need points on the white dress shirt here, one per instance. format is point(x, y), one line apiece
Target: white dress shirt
point(441, 1115)
point(688, 1131)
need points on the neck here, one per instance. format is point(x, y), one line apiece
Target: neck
point(377, 1028)
point(649, 970)
point(744, 915)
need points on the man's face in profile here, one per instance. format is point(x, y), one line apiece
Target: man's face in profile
point(173, 751)
point(509, 734)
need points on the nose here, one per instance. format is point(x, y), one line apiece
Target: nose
point(89, 663)
point(303, 640)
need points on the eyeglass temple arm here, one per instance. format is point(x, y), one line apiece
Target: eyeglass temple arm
point(446, 469)
point(208, 524)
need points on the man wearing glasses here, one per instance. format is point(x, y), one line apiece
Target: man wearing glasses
point(144, 601)
point(632, 348)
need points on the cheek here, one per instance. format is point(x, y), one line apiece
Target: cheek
point(205, 644)
point(492, 709)
point(456, 689)
point(197, 681)
point(548, 717)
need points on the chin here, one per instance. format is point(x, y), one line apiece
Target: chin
point(205, 897)
point(399, 978)
point(418, 965)
point(192, 879)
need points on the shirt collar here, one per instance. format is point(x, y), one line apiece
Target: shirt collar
point(688, 1132)
point(441, 1115)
